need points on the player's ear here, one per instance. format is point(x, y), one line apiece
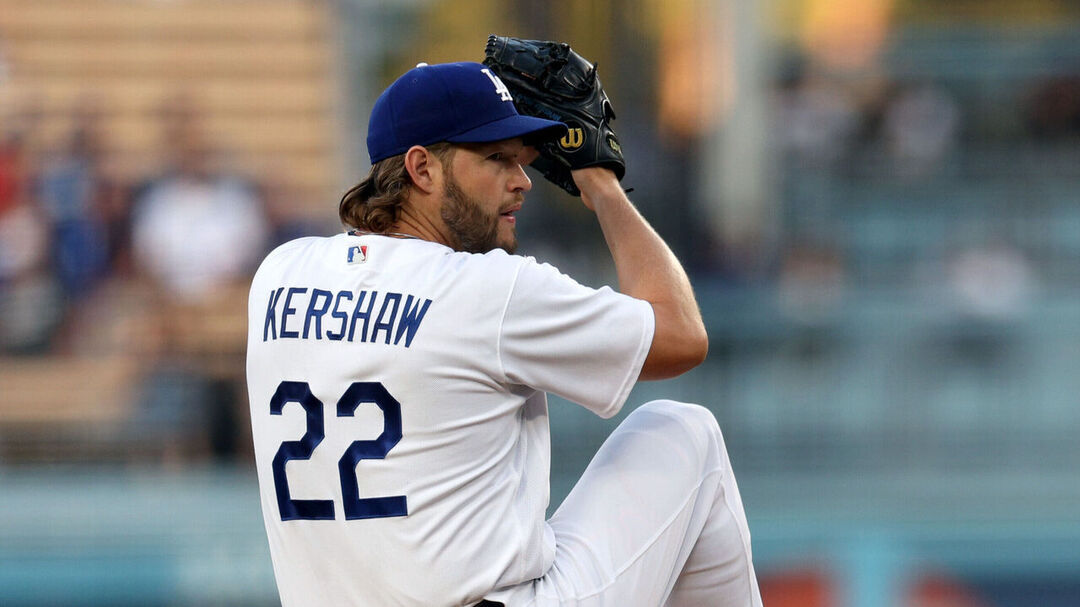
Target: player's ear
point(424, 169)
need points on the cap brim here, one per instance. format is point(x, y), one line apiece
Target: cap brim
point(532, 129)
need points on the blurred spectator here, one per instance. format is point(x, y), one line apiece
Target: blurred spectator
point(992, 286)
point(72, 189)
point(991, 282)
point(30, 301)
point(812, 283)
point(818, 120)
point(197, 232)
point(920, 127)
point(196, 228)
point(288, 210)
point(810, 289)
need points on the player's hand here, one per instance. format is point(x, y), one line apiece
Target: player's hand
point(594, 183)
point(550, 80)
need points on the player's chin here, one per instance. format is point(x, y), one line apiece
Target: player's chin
point(507, 239)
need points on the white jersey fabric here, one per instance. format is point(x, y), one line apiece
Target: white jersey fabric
point(466, 345)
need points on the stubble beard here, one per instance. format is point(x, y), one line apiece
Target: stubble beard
point(473, 230)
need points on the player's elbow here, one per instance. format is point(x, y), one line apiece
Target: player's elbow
point(695, 348)
point(674, 355)
point(698, 347)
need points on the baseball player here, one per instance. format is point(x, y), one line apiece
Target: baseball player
point(397, 376)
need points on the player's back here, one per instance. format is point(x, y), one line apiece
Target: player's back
point(391, 449)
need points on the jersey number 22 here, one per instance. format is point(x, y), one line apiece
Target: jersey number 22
point(355, 507)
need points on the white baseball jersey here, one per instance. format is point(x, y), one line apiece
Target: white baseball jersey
point(399, 414)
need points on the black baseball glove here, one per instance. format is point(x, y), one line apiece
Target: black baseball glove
point(549, 80)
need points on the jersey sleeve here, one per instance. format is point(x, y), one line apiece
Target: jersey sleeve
point(586, 345)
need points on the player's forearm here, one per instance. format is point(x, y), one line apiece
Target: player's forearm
point(647, 269)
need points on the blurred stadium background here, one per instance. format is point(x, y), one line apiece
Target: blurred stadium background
point(878, 201)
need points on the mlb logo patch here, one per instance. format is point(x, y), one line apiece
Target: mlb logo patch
point(357, 254)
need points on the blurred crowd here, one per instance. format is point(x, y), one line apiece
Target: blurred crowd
point(911, 182)
point(914, 123)
point(153, 267)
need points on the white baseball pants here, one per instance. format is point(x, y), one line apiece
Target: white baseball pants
point(655, 520)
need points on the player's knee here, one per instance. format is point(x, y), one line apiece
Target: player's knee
point(694, 415)
point(696, 421)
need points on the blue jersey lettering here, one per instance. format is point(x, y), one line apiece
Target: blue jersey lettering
point(338, 314)
point(289, 310)
point(399, 315)
point(315, 312)
point(410, 319)
point(383, 323)
point(365, 315)
point(270, 324)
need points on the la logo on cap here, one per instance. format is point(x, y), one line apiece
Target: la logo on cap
point(500, 87)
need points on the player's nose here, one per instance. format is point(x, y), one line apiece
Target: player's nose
point(521, 182)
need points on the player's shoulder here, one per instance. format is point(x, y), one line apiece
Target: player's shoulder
point(293, 247)
point(528, 269)
point(494, 260)
point(475, 277)
point(290, 252)
point(499, 266)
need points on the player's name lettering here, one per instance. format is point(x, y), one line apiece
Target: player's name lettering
point(364, 316)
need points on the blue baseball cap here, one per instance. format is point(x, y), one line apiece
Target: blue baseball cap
point(456, 102)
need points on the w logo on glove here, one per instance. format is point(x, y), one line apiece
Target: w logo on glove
point(574, 138)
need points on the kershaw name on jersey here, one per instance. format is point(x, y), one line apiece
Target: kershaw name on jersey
point(363, 316)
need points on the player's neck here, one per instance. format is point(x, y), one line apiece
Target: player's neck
point(419, 225)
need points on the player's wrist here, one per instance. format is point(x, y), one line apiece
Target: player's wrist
point(596, 182)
